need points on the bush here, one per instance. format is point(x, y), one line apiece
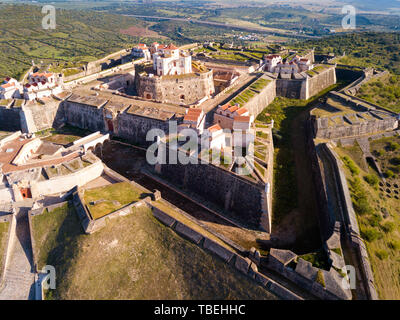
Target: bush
point(381, 254)
point(388, 227)
point(393, 146)
point(374, 220)
point(371, 179)
point(389, 174)
point(351, 165)
point(379, 153)
point(370, 234)
point(394, 245)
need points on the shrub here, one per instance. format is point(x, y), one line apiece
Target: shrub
point(370, 234)
point(375, 219)
point(389, 174)
point(388, 227)
point(371, 179)
point(379, 153)
point(351, 165)
point(381, 254)
point(393, 146)
point(394, 245)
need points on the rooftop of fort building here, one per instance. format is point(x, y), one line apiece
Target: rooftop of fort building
point(152, 111)
point(338, 106)
point(88, 100)
point(117, 106)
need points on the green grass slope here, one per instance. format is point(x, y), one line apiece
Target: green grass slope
point(133, 257)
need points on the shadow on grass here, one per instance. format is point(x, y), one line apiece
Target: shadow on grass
point(65, 250)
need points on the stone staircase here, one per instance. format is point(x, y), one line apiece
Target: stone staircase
point(19, 276)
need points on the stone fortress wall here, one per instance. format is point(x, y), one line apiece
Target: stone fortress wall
point(10, 119)
point(352, 228)
point(305, 87)
point(343, 125)
point(244, 199)
point(183, 89)
point(320, 82)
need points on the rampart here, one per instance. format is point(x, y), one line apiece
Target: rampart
point(350, 219)
point(304, 86)
point(242, 198)
point(354, 118)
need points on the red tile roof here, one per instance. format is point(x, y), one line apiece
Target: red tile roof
point(215, 127)
point(171, 47)
point(191, 117)
point(242, 119)
point(194, 111)
point(226, 106)
point(241, 111)
point(233, 109)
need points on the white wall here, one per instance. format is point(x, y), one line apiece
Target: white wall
point(67, 182)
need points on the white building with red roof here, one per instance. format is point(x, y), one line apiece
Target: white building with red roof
point(41, 85)
point(296, 64)
point(40, 77)
point(10, 89)
point(271, 61)
point(214, 137)
point(194, 119)
point(169, 60)
point(141, 51)
point(225, 115)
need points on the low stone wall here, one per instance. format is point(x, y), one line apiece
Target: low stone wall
point(307, 280)
point(241, 264)
point(9, 246)
point(368, 75)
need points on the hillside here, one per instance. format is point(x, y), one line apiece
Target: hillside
point(79, 36)
point(384, 92)
point(133, 257)
point(363, 49)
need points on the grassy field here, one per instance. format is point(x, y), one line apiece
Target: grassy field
point(133, 257)
point(104, 200)
point(377, 214)
point(384, 91)
point(3, 243)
